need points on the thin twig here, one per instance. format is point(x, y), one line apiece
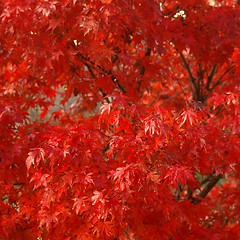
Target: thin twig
point(102, 71)
point(170, 98)
point(98, 68)
point(182, 89)
point(220, 79)
point(94, 76)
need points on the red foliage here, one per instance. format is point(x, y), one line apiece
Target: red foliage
point(136, 126)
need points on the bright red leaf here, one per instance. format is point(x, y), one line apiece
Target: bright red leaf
point(119, 119)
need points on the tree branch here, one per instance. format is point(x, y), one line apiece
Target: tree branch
point(210, 77)
point(101, 70)
point(200, 83)
point(192, 79)
point(220, 79)
point(142, 68)
point(94, 76)
point(211, 183)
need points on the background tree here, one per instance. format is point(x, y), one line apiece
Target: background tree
point(159, 159)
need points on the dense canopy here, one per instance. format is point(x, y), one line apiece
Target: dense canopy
point(119, 119)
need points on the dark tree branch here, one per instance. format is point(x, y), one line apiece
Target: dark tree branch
point(148, 52)
point(186, 65)
point(194, 86)
point(200, 75)
point(205, 180)
point(210, 76)
point(219, 81)
point(94, 76)
point(142, 68)
point(98, 68)
point(102, 71)
point(210, 184)
point(199, 83)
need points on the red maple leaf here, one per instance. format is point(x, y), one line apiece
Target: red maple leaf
point(119, 119)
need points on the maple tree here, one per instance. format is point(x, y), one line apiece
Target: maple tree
point(148, 147)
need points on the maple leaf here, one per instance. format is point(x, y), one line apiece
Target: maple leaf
point(88, 24)
point(5, 14)
point(177, 174)
point(98, 198)
point(46, 8)
point(122, 175)
point(53, 24)
point(35, 156)
point(138, 123)
point(47, 219)
point(57, 54)
point(106, 107)
point(150, 126)
point(40, 179)
point(119, 100)
point(188, 116)
point(79, 204)
point(103, 228)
